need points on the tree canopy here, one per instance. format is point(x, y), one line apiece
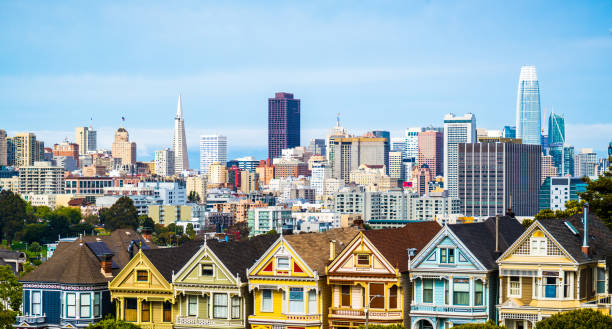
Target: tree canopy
point(122, 214)
point(599, 196)
point(10, 293)
point(578, 319)
point(110, 323)
point(12, 214)
point(487, 325)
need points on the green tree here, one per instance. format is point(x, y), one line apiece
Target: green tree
point(35, 247)
point(34, 232)
point(7, 318)
point(122, 214)
point(27, 268)
point(487, 325)
point(72, 214)
point(10, 289)
point(190, 231)
point(146, 222)
point(599, 196)
point(527, 222)
point(58, 226)
point(110, 323)
point(193, 197)
point(583, 318)
point(92, 219)
point(42, 212)
point(12, 214)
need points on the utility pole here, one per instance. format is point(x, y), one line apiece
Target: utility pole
point(367, 309)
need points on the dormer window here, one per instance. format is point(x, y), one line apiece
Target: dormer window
point(363, 260)
point(282, 264)
point(207, 270)
point(537, 244)
point(447, 255)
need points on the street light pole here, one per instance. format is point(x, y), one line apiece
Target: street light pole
point(367, 310)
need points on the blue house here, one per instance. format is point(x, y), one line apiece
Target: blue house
point(70, 290)
point(455, 276)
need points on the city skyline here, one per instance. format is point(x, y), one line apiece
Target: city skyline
point(570, 47)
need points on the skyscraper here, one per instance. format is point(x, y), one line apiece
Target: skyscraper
point(456, 130)
point(23, 150)
point(556, 129)
point(179, 143)
point(585, 163)
point(283, 123)
point(3, 148)
point(164, 162)
point(528, 113)
point(122, 147)
point(213, 148)
point(430, 151)
point(412, 142)
point(86, 138)
point(351, 152)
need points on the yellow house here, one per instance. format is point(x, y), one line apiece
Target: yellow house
point(143, 291)
point(552, 268)
point(288, 281)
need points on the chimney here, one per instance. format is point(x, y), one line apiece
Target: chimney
point(147, 234)
point(107, 265)
point(497, 234)
point(585, 244)
point(332, 249)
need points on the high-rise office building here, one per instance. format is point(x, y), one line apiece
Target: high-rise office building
point(23, 150)
point(456, 130)
point(556, 191)
point(213, 148)
point(430, 151)
point(556, 129)
point(528, 112)
point(67, 149)
point(548, 167)
point(350, 153)
point(87, 139)
point(283, 123)
point(509, 132)
point(179, 143)
point(494, 177)
point(412, 142)
point(124, 149)
point(563, 159)
point(387, 136)
point(585, 163)
point(164, 162)
point(395, 165)
point(3, 148)
point(317, 146)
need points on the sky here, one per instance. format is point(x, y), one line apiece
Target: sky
point(385, 65)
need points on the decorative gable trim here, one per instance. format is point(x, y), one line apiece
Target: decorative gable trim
point(280, 248)
point(433, 244)
point(525, 238)
point(138, 262)
point(360, 245)
point(204, 253)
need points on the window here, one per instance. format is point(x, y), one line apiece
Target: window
point(550, 287)
point(71, 305)
point(220, 306)
point(363, 260)
point(36, 303)
point(567, 284)
point(393, 297)
point(282, 264)
point(447, 255)
point(142, 276)
point(145, 311)
point(601, 280)
point(85, 310)
point(514, 288)
point(266, 300)
point(312, 302)
point(461, 292)
point(192, 306)
point(130, 309)
point(537, 244)
point(377, 289)
point(345, 292)
point(296, 300)
point(478, 292)
point(235, 307)
point(207, 270)
point(427, 290)
point(446, 289)
point(97, 305)
point(167, 316)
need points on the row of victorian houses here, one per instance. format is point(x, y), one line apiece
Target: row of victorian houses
point(422, 276)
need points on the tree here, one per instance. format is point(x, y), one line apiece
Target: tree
point(42, 212)
point(27, 268)
point(190, 231)
point(572, 207)
point(599, 196)
point(92, 219)
point(34, 232)
point(146, 222)
point(110, 323)
point(583, 318)
point(58, 226)
point(122, 214)
point(487, 325)
point(12, 214)
point(35, 247)
point(193, 197)
point(10, 289)
point(72, 214)
point(527, 222)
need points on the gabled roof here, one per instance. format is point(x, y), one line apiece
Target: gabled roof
point(600, 241)
point(118, 242)
point(479, 238)
point(313, 248)
point(170, 260)
point(238, 256)
point(72, 263)
point(394, 242)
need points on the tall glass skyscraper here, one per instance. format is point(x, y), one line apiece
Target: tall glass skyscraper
point(556, 129)
point(528, 107)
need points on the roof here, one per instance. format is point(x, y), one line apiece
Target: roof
point(72, 263)
point(9, 254)
point(479, 238)
point(118, 242)
point(313, 248)
point(599, 241)
point(170, 260)
point(238, 256)
point(394, 242)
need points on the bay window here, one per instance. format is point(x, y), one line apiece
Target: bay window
point(266, 300)
point(97, 305)
point(427, 290)
point(167, 312)
point(296, 300)
point(71, 305)
point(235, 307)
point(220, 306)
point(550, 287)
point(601, 280)
point(514, 286)
point(461, 292)
point(393, 297)
point(145, 311)
point(85, 310)
point(192, 306)
point(478, 292)
point(36, 303)
point(312, 302)
point(345, 295)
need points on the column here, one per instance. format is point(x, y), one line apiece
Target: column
point(138, 310)
point(229, 306)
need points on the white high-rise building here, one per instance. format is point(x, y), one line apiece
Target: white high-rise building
point(528, 113)
point(87, 138)
point(164, 162)
point(585, 163)
point(456, 130)
point(395, 165)
point(213, 148)
point(412, 142)
point(179, 143)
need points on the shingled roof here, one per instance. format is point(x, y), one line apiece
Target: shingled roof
point(394, 242)
point(238, 256)
point(600, 237)
point(72, 263)
point(118, 242)
point(171, 260)
point(479, 238)
point(313, 248)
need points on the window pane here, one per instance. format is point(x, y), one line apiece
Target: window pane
point(282, 263)
point(377, 289)
point(167, 312)
point(235, 307)
point(220, 306)
point(192, 309)
point(85, 306)
point(427, 291)
point(97, 304)
point(71, 305)
point(312, 302)
point(296, 300)
point(478, 292)
point(346, 295)
point(266, 300)
point(145, 314)
point(207, 270)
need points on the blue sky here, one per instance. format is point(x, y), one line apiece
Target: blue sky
point(382, 64)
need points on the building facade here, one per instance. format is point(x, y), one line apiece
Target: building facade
point(179, 141)
point(124, 149)
point(24, 149)
point(456, 130)
point(528, 112)
point(351, 152)
point(430, 151)
point(164, 162)
point(213, 148)
point(283, 123)
point(556, 191)
point(41, 178)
